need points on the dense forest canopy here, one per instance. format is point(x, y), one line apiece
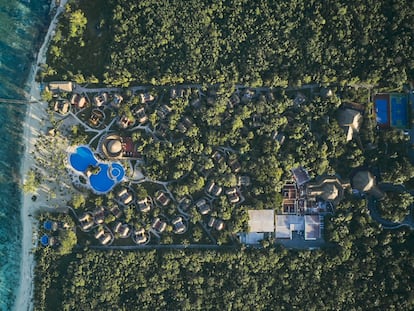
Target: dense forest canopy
point(273, 43)
point(270, 43)
point(371, 270)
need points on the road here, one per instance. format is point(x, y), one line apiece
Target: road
point(166, 246)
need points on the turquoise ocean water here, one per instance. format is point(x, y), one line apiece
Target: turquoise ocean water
point(22, 25)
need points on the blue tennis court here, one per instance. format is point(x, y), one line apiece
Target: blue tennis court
point(381, 109)
point(399, 111)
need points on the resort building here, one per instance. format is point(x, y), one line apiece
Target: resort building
point(122, 229)
point(300, 175)
point(117, 101)
point(234, 195)
point(86, 222)
point(140, 115)
point(261, 224)
point(125, 121)
point(235, 166)
point(364, 182)
point(61, 86)
point(96, 118)
point(184, 125)
point(146, 97)
point(164, 112)
point(99, 215)
point(203, 207)
point(327, 188)
point(145, 205)
point(125, 196)
point(179, 226)
point(114, 146)
point(100, 99)
point(279, 137)
point(162, 198)
point(306, 226)
point(116, 211)
point(140, 236)
point(158, 225)
point(111, 146)
point(350, 121)
point(103, 237)
point(290, 197)
point(216, 223)
point(78, 101)
point(213, 189)
point(61, 106)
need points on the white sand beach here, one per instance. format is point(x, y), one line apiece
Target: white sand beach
point(35, 124)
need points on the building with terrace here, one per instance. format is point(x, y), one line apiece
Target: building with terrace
point(125, 196)
point(216, 223)
point(86, 221)
point(103, 237)
point(78, 101)
point(327, 188)
point(179, 226)
point(162, 198)
point(140, 236)
point(113, 146)
point(101, 99)
point(203, 206)
point(145, 205)
point(123, 230)
point(213, 189)
point(158, 225)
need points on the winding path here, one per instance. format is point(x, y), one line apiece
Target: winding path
point(408, 221)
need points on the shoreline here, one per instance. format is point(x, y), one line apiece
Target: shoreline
point(34, 126)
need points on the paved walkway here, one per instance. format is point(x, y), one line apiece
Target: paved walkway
point(165, 246)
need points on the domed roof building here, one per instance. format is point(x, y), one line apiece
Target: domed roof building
point(364, 181)
point(328, 188)
point(111, 146)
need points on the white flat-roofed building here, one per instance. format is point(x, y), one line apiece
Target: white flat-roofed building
point(286, 224)
point(261, 220)
point(260, 223)
point(312, 227)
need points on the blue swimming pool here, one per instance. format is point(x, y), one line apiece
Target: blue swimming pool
point(106, 178)
point(82, 158)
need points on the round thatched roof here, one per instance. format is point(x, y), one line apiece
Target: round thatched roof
point(114, 146)
point(330, 192)
point(363, 181)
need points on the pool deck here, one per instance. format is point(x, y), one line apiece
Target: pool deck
point(81, 157)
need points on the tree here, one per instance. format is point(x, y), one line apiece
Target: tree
point(78, 200)
point(395, 206)
point(67, 240)
point(77, 24)
point(31, 183)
